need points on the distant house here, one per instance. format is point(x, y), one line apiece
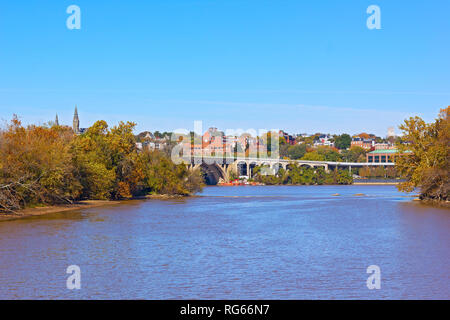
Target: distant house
point(149, 136)
point(287, 137)
point(157, 145)
point(324, 140)
point(367, 144)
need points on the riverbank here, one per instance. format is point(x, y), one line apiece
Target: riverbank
point(79, 205)
point(40, 211)
point(434, 203)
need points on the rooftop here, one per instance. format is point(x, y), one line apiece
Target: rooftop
point(384, 151)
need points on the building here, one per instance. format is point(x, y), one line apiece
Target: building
point(391, 132)
point(382, 156)
point(324, 140)
point(149, 136)
point(216, 143)
point(384, 146)
point(155, 144)
point(287, 137)
point(367, 144)
point(76, 123)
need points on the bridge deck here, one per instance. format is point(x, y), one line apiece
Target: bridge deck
point(284, 161)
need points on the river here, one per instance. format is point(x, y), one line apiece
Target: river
point(268, 242)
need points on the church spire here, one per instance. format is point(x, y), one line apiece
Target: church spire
point(76, 121)
point(56, 120)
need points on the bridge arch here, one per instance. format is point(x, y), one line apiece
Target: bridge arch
point(242, 168)
point(291, 165)
point(276, 166)
point(251, 168)
point(213, 173)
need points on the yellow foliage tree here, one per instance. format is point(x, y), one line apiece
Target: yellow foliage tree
point(424, 160)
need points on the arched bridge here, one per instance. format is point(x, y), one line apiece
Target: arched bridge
point(221, 168)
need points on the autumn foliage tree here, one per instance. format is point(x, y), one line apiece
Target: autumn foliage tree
point(36, 166)
point(52, 165)
point(106, 161)
point(301, 175)
point(425, 156)
point(162, 176)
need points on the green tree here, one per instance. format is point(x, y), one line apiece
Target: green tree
point(354, 154)
point(323, 154)
point(162, 176)
point(313, 156)
point(329, 154)
point(343, 141)
point(296, 152)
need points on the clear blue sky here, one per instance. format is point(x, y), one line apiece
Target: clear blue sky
point(303, 66)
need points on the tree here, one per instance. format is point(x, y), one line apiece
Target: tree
point(380, 172)
point(424, 156)
point(343, 141)
point(36, 166)
point(106, 161)
point(354, 154)
point(297, 151)
point(323, 153)
point(344, 177)
point(284, 147)
point(303, 175)
point(391, 172)
point(162, 176)
point(330, 154)
point(313, 156)
point(364, 135)
point(364, 172)
point(53, 165)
